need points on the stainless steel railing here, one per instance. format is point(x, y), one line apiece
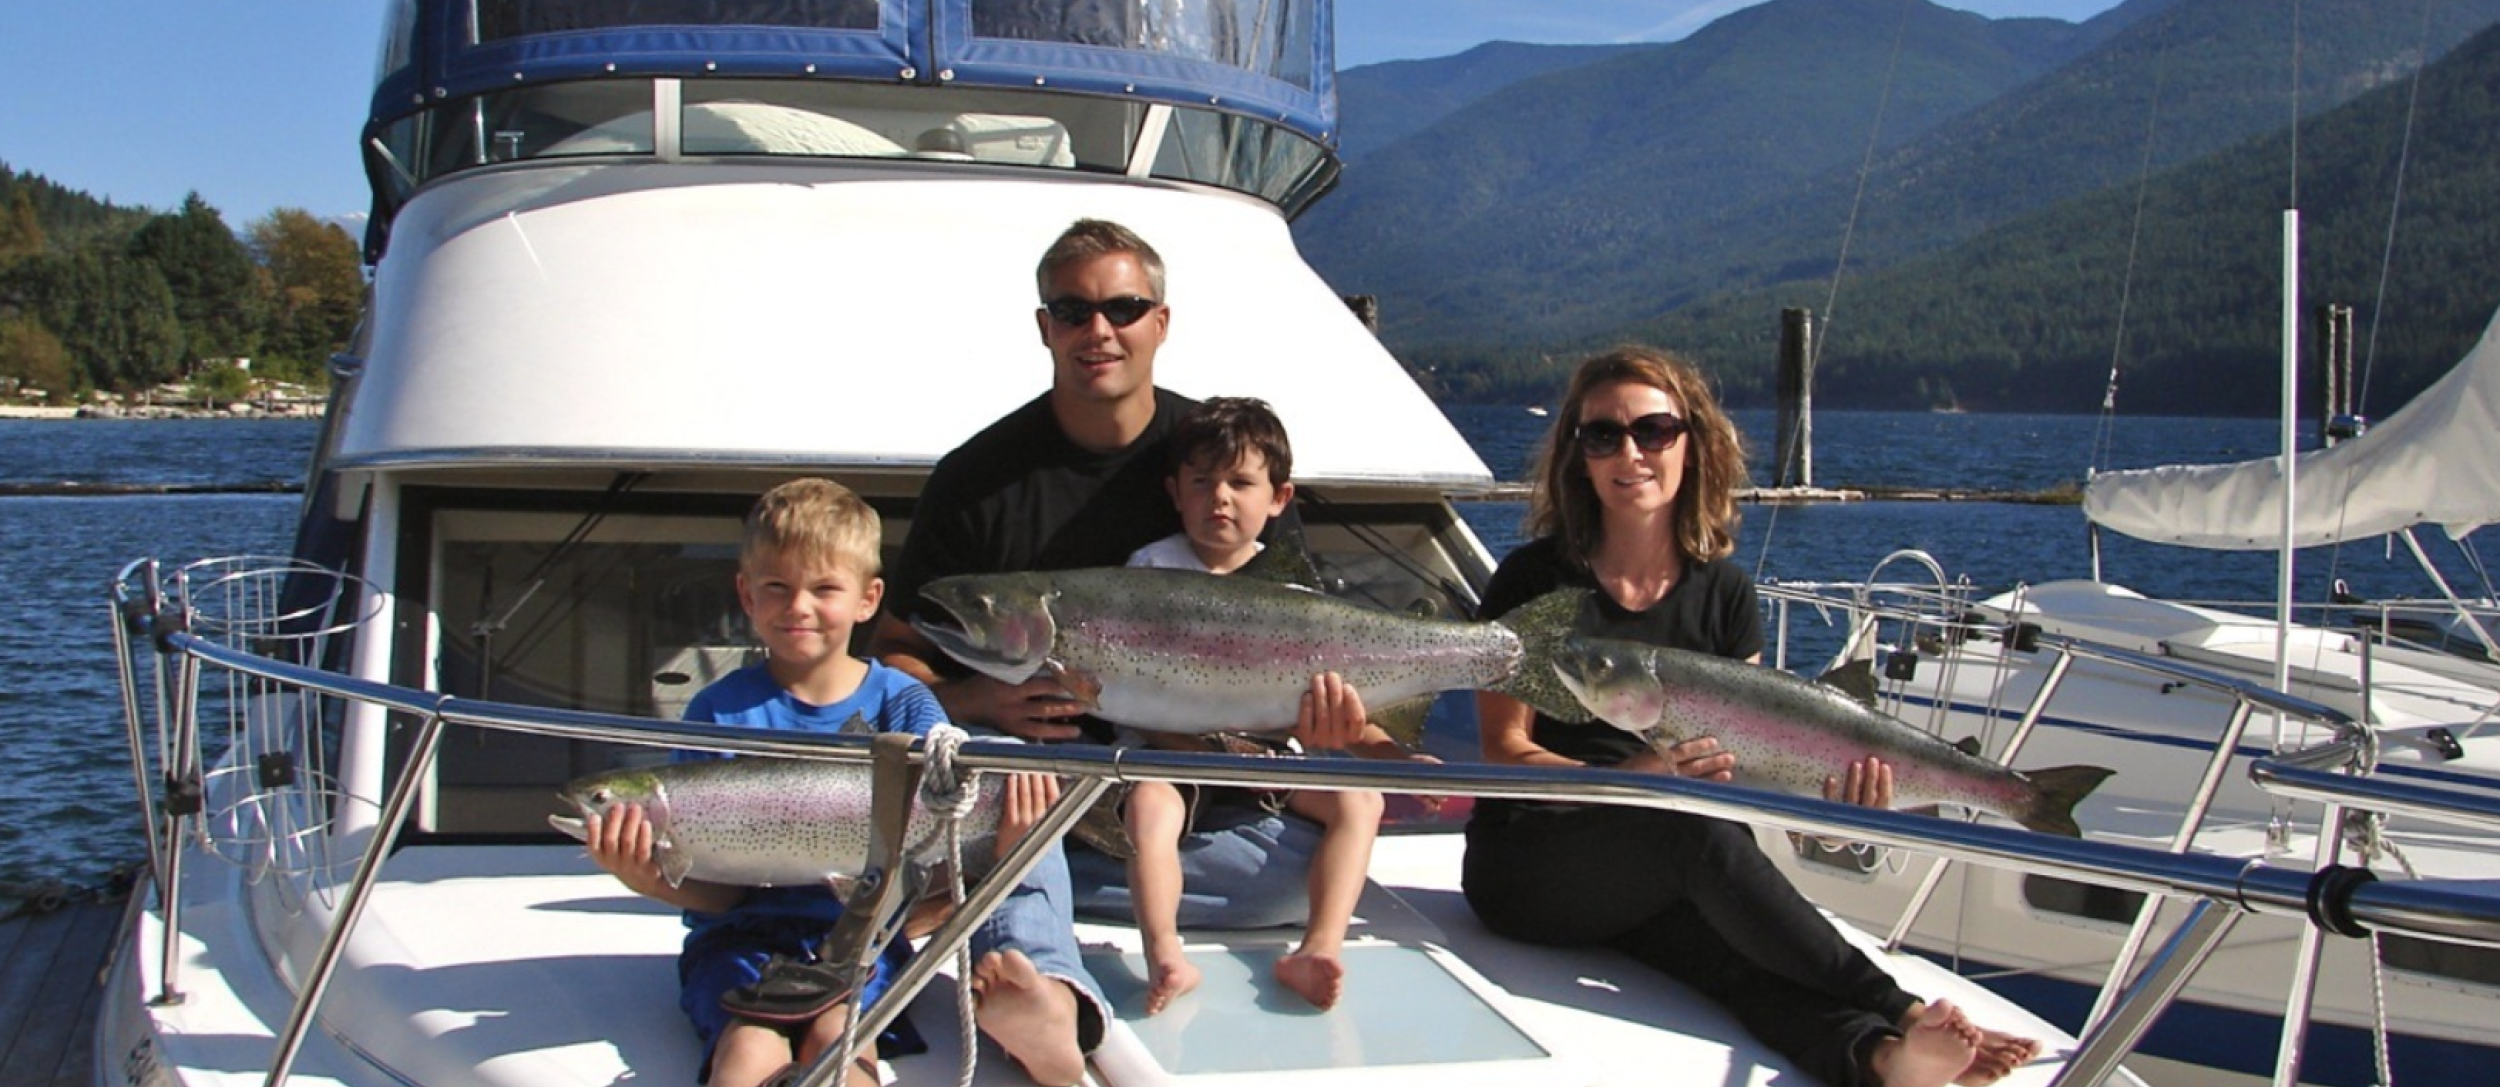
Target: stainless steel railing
point(2226, 888)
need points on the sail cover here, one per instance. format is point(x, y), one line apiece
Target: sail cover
point(2437, 462)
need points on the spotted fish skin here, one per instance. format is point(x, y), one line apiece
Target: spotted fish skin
point(757, 821)
point(1789, 734)
point(1182, 651)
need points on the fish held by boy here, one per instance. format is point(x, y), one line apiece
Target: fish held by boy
point(1789, 733)
point(1181, 651)
point(758, 821)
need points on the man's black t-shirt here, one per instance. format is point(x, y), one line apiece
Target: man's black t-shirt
point(1020, 496)
point(1712, 610)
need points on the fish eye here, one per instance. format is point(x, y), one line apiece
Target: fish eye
point(601, 795)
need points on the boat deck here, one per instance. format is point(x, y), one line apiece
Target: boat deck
point(51, 963)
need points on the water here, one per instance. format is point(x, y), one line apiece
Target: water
point(66, 807)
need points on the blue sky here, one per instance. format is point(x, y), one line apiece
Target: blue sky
point(256, 104)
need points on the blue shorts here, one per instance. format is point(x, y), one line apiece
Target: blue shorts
point(724, 958)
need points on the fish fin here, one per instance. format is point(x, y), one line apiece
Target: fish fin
point(1284, 562)
point(1542, 624)
point(1080, 685)
point(1969, 745)
point(675, 864)
point(1855, 679)
point(1404, 721)
point(2060, 789)
point(573, 828)
point(857, 726)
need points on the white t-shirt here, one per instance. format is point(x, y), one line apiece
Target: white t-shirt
point(1171, 553)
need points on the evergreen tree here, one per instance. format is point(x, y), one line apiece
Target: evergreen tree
point(219, 294)
point(114, 317)
point(21, 234)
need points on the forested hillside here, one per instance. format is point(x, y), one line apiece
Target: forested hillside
point(95, 297)
point(2027, 316)
point(1561, 243)
point(1464, 228)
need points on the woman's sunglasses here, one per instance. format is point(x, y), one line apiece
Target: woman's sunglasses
point(1601, 437)
point(1122, 312)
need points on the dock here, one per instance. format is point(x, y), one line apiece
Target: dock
point(52, 989)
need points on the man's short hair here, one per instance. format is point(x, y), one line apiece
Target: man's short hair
point(814, 520)
point(1220, 430)
point(1087, 239)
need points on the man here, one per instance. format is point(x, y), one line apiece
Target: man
point(1074, 479)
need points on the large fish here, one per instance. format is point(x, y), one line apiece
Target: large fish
point(756, 821)
point(1181, 651)
point(1789, 733)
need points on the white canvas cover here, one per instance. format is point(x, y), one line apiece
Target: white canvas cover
point(2437, 461)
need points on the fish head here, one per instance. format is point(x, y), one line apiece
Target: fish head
point(999, 625)
point(1613, 680)
point(601, 795)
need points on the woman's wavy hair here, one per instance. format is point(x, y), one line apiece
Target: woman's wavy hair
point(1564, 502)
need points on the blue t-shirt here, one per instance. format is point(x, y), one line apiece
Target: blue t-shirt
point(889, 700)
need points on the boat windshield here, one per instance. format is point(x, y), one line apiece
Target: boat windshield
point(1233, 93)
point(729, 117)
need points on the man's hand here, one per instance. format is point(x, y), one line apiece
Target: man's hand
point(1699, 757)
point(1036, 709)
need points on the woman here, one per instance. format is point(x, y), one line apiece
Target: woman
point(1635, 498)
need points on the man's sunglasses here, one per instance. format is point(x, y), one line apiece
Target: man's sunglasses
point(1652, 433)
point(1122, 312)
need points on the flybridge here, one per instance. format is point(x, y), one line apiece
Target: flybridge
point(1235, 93)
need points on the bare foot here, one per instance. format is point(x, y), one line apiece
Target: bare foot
point(1173, 975)
point(1930, 1052)
point(1999, 1055)
point(1030, 1016)
point(1320, 979)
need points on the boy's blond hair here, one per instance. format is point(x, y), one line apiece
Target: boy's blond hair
point(814, 520)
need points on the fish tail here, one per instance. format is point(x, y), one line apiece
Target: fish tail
point(1542, 624)
point(2060, 789)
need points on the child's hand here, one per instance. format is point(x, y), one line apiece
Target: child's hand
point(621, 845)
point(1027, 797)
point(1332, 716)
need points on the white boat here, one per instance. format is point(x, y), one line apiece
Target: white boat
point(2146, 687)
point(631, 270)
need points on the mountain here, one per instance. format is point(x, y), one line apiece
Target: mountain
point(2026, 316)
point(1381, 104)
point(1506, 230)
point(1461, 226)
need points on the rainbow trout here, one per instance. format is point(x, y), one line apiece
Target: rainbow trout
point(1789, 734)
point(756, 821)
point(1181, 651)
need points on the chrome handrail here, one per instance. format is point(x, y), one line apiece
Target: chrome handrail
point(2425, 907)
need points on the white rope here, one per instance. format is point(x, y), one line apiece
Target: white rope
point(949, 793)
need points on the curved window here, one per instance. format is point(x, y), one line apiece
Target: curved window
point(827, 119)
